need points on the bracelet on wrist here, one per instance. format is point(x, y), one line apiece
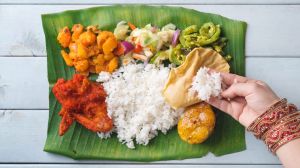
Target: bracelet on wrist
point(278, 125)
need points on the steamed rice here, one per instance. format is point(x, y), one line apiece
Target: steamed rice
point(206, 85)
point(135, 103)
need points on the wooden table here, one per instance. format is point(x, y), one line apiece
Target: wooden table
point(272, 50)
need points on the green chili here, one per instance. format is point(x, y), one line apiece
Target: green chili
point(177, 57)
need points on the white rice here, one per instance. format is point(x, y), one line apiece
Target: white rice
point(206, 85)
point(135, 103)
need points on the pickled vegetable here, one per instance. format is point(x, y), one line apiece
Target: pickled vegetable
point(209, 33)
point(177, 57)
point(191, 37)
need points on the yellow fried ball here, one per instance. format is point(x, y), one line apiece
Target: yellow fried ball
point(197, 123)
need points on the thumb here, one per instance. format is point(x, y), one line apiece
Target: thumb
point(238, 90)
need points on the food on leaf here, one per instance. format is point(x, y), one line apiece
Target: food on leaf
point(191, 37)
point(149, 41)
point(176, 90)
point(64, 37)
point(66, 57)
point(209, 33)
point(95, 51)
point(205, 84)
point(85, 46)
point(135, 103)
point(121, 30)
point(77, 29)
point(197, 123)
point(177, 56)
point(160, 57)
point(83, 101)
point(87, 38)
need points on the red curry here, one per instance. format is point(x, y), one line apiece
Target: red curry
point(84, 101)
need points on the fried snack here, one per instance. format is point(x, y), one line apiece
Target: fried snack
point(64, 37)
point(197, 123)
point(90, 50)
point(84, 102)
point(176, 90)
point(77, 29)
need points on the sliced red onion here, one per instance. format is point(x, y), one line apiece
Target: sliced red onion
point(127, 46)
point(175, 37)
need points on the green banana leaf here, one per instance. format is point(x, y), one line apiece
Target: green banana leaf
point(80, 143)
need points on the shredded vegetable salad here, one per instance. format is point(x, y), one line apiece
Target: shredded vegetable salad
point(151, 44)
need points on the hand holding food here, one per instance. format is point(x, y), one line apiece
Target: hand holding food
point(181, 78)
point(244, 99)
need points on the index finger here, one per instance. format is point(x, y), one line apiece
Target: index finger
point(229, 78)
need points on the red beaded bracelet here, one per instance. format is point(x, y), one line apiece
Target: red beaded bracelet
point(278, 125)
point(264, 122)
point(285, 131)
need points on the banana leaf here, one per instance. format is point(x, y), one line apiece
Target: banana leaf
point(80, 143)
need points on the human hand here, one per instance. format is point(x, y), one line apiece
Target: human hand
point(244, 99)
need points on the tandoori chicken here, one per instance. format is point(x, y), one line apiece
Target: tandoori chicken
point(83, 101)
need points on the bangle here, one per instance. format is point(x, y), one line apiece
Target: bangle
point(265, 121)
point(285, 131)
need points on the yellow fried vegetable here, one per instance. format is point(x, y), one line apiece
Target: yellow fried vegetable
point(73, 47)
point(108, 56)
point(93, 50)
point(102, 37)
point(109, 45)
point(64, 37)
point(93, 28)
point(99, 68)
point(176, 89)
point(87, 38)
point(90, 50)
point(81, 65)
point(98, 60)
point(197, 123)
point(66, 57)
point(82, 52)
point(113, 64)
point(77, 29)
point(73, 56)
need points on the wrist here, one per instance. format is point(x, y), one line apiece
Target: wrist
point(278, 125)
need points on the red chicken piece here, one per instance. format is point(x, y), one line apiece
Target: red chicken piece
point(83, 101)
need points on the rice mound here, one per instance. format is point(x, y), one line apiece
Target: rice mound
point(206, 85)
point(135, 103)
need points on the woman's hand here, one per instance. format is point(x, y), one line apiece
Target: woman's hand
point(244, 99)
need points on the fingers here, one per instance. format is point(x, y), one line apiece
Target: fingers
point(230, 79)
point(239, 90)
point(221, 104)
